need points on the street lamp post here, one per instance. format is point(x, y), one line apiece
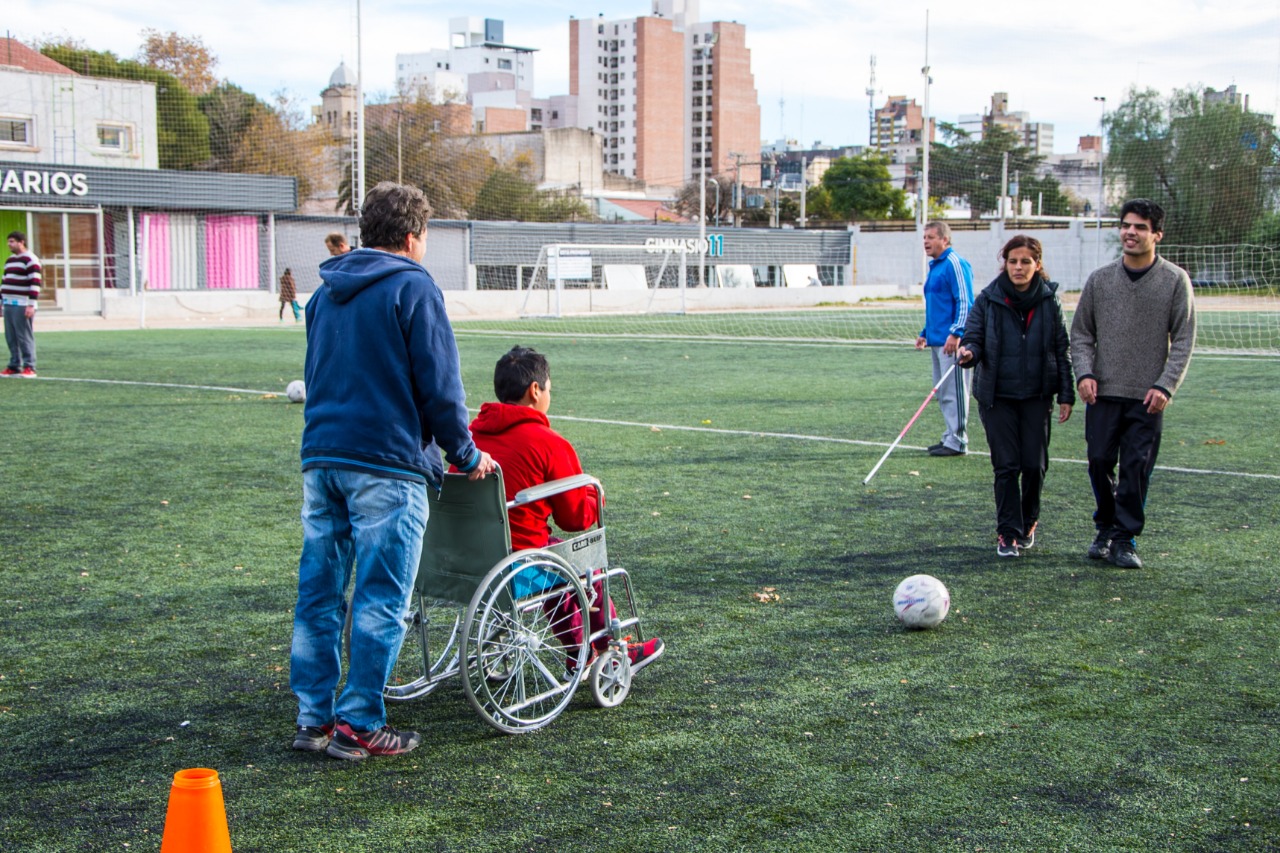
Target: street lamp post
point(717, 183)
point(1102, 184)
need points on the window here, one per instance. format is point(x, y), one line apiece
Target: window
point(504, 64)
point(15, 131)
point(114, 137)
point(555, 114)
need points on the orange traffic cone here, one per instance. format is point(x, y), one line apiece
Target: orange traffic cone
point(197, 818)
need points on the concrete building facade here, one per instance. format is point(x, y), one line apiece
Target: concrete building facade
point(672, 97)
point(51, 114)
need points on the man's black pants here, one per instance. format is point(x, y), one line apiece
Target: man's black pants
point(1018, 435)
point(1121, 430)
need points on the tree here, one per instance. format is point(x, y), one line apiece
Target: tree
point(861, 188)
point(972, 169)
point(1210, 165)
point(185, 58)
point(690, 193)
point(182, 129)
point(407, 141)
point(247, 135)
point(509, 193)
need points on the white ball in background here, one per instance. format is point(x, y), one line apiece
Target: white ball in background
point(296, 391)
point(921, 601)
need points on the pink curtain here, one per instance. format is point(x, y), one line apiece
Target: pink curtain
point(155, 242)
point(231, 252)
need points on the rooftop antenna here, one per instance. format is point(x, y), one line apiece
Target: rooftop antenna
point(871, 105)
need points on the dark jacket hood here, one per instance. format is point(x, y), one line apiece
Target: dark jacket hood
point(346, 275)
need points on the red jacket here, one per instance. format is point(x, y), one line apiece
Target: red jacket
point(521, 440)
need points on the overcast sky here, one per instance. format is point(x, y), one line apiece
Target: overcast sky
point(813, 56)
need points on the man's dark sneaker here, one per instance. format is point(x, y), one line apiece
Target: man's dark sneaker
point(946, 451)
point(645, 653)
point(934, 447)
point(312, 738)
point(1006, 548)
point(1123, 555)
point(1025, 542)
point(349, 744)
point(1100, 547)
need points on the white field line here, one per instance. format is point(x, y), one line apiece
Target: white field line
point(792, 436)
point(163, 385)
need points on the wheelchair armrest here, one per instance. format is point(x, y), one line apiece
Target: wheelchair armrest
point(555, 487)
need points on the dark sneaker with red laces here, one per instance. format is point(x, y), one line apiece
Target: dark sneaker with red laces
point(1025, 542)
point(312, 738)
point(1006, 547)
point(349, 744)
point(645, 653)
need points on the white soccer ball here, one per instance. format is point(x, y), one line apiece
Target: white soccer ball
point(921, 601)
point(296, 391)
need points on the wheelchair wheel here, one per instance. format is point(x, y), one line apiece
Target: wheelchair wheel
point(430, 650)
point(611, 679)
point(523, 662)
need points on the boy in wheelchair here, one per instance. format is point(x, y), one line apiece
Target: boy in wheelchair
point(516, 433)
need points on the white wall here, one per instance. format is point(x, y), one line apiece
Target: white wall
point(66, 111)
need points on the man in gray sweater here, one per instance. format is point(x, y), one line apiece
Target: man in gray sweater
point(1131, 342)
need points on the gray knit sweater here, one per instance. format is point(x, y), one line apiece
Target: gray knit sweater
point(1132, 336)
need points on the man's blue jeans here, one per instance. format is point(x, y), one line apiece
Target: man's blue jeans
point(375, 523)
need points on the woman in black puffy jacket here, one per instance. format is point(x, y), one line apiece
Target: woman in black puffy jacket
point(1017, 342)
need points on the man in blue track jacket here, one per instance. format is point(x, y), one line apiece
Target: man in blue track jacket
point(384, 395)
point(948, 295)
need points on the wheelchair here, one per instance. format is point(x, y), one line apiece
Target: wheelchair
point(503, 621)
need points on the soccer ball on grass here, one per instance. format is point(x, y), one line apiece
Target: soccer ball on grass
point(921, 601)
point(296, 391)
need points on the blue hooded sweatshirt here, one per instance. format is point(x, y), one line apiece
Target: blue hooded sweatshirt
point(382, 373)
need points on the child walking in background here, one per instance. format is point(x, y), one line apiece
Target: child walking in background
point(289, 295)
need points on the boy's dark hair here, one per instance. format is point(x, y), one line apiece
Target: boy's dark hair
point(516, 370)
point(19, 236)
point(391, 212)
point(1148, 210)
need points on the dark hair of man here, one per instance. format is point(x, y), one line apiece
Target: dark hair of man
point(940, 228)
point(335, 240)
point(518, 369)
point(390, 213)
point(1148, 210)
point(1032, 245)
point(19, 236)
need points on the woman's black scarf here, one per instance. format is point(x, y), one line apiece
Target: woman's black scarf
point(1022, 301)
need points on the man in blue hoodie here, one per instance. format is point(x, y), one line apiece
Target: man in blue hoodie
point(948, 295)
point(384, 394)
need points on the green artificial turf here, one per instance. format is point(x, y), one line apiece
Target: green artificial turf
point(149, 549)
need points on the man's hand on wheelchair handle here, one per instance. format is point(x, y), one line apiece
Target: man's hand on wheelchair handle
point(485, 466)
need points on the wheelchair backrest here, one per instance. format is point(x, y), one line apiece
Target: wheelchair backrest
point(467, 535)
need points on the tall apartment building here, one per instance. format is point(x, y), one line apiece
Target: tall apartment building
point(672, 97)
point(1036, 135)
point(898, 130)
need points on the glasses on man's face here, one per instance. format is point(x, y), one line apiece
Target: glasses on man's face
point(1140, 227)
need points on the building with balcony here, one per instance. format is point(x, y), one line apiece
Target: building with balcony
point(672, 97)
